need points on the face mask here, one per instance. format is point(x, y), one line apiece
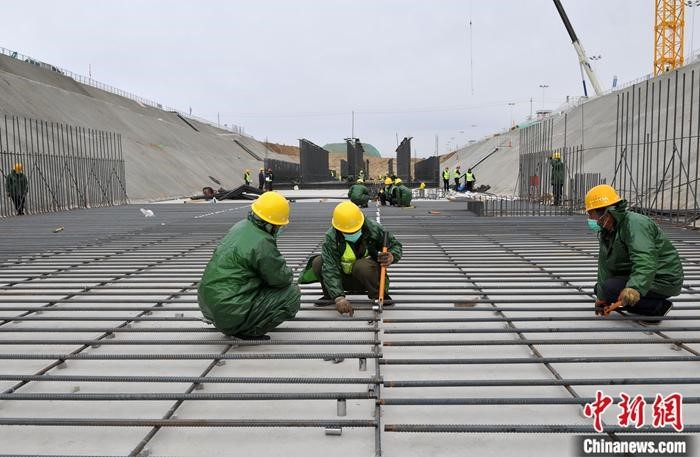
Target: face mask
point(593, 225)
point(279, 232)
point(352, 237)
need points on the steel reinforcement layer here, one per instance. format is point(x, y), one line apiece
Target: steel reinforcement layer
point(488, 346)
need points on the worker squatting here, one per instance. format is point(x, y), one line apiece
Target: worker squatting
point(247, 288)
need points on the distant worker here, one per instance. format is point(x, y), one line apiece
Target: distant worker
point(362, 175)
point(261, 179)
point(269, 177)
point(385, 193)
point(446, 180)
point(350, 258)
point(247, 287)
point(470, 179)
point(638, 267)
point(17, 187)
point(457, 174)
point(557, 177)
point(421, 190)
point(359, 193)
point(247, 178)
point(402, 194)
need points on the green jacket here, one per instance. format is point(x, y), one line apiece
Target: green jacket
point(16, 184)
point(244, 263)
point(358, 194)
point(403, 195)
point(333, 248)
point(557, 172)
point(639, 250)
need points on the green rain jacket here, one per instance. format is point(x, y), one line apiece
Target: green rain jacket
point(403, 195)
point(557, 172)
point(247, 283)
point(639, 250)
point(358, 194)
point(16, 184)
point(333, 248)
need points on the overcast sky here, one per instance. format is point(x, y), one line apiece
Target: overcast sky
point(285, 69)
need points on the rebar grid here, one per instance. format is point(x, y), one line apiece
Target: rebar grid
point(469, 293)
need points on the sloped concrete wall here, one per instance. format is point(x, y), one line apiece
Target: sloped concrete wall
point(645, 122)
point(165, 157)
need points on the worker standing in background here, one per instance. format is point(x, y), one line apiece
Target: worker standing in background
point(557, 177)
point(247, 178)
point(359, 193)
point(269, 177)
point(446, 180)
point(637, 264)
point(246, 289)
point(17, 187)
point(470, 179)
point(421, 190)
point(350, 258)
point(457, 174)
point(261, 179)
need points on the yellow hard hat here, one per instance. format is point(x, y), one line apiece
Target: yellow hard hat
point(557, 155)
point(19, 167)
point(398, 181)
point(601, 196)
point(347, 217)
point(272, 207)
point(388, 181)
point(422, 185)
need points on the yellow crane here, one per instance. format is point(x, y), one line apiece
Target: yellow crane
point(668, 35)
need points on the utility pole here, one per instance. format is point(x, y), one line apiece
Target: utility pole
point(530, 107)
point(353, 125)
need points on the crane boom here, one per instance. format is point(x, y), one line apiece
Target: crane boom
point(582, 58)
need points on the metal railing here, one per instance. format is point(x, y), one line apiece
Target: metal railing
point(65, 167)
point(114, 90)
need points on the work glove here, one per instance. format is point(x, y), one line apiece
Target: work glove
point(629, 296)
point(385, 259)
point(343, 306)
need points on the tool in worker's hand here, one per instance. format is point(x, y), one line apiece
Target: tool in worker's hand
point(382, 273)
point(215, 180)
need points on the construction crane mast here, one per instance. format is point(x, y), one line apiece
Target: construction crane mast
point(668, 35)
point(582, 59)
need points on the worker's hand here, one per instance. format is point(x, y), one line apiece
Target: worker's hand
point(600, 307)
point(343, 306)
point(385, 259)
point(629, 296)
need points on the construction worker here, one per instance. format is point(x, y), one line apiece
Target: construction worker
point(446, 180)
point(557, 177)
point(350, 258)
point(402, 195)
point(385, 193)
point(247, 288)
point(638, 267)
point(421, 190)
point(269, 177)
point(261, 179)
point(247, 178)
point(470, 179)
point(359, 193)
point(457, 174)
point(17, 187)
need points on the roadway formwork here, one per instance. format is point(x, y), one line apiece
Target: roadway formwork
point(489, 341)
